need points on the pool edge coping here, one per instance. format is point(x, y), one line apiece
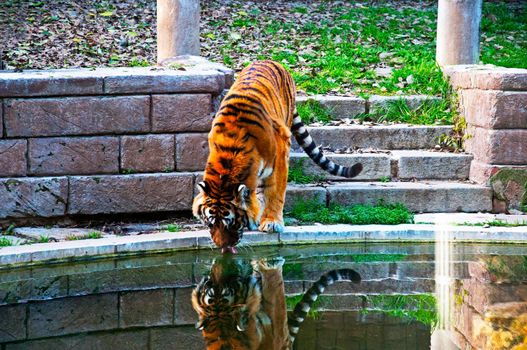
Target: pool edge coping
point(25, 255)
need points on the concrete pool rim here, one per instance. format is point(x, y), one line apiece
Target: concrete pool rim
point(163, 241)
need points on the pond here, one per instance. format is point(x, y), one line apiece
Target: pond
point(411, 296)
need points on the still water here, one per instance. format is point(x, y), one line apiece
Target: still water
point(144, 302)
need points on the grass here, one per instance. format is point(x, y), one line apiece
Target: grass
point(312, 111)
point(418, 307)
point(90, 235)
point(430, 112)
point(495, 223)
point(173, 228)
point(4, 242)
point(292, 300)
point(307, 212)
point(43, 239)
point(378, 257)
point(297, 174)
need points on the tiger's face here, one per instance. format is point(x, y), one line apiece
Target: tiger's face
point(223, 212)
point(223, 301)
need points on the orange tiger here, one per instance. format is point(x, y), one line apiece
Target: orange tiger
point(249, 147)
point(244, 308)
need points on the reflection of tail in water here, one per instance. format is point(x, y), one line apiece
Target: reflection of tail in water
point(304, 305)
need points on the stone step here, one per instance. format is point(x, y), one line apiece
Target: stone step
point(424, 196)
point(389, 137)
point(403, 165)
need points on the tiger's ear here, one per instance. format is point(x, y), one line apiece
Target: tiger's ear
point(242, 194)
point(203, 187)
point(243, 320)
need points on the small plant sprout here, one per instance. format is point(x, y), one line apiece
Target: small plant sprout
point(173, 228)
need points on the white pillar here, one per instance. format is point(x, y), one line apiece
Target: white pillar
point(177, 28)
point(458, 31)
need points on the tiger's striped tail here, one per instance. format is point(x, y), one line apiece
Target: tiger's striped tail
point(305, 304)
point(306, 142)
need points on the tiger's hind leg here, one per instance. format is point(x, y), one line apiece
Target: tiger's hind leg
point(274, 195)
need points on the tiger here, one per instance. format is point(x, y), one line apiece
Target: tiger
point(249, 145)
point(244, 308)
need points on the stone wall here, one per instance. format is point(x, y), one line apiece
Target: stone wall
point(117, 140)
point(493, 101)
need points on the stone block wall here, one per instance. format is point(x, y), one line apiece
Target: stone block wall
point(117, 140)
point(490, 306)
point(493, 101)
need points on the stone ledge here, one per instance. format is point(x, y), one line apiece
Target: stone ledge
point(166, 241)
point(487, 77)
point(124, 80)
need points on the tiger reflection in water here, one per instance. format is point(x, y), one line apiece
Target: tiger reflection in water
point(242, 306)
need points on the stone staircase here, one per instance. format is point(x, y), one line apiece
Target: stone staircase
point(400, 165)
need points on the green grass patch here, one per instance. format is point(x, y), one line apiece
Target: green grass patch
point(378, 257)
point(430, 112)
point(418, 307)
point(173, 228)
point(312, 111)
point(297, 174)
point(292, 300)
point(43, 239)
point(4, 242)
point(385, 214)
point(495, 223)
point(90, 235)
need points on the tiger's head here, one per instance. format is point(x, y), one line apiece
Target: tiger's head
point(224, 211)
point(226, 302)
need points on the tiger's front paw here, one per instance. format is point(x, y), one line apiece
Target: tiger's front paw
point(269, 225)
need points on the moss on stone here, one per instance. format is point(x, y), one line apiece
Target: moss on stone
point(503, 177)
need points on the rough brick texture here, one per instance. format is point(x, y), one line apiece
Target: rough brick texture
point(149, 153)
point(29, 197)
point(192, 151)
point(12, 323)
point(495, 109)
point(146, 308)
point(148, 80)
point(13, 157)
point(51, 83)
point(498, 146)
point(337, 106)
point(72, 315)
point(487, 77)
point(76, 116)
point(130, 193)
point(179, 113)
point(68, 156)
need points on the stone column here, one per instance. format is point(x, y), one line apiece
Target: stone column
point(458, 31)
point(493, 101)
point(177, 28)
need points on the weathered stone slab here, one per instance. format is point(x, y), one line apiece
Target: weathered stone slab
point(149, 153)
point(130, 193)
point(76, 115)
point(483, 295)
point(192, 151)
point(375, 165)
point(338, 106)
point(72, 315)
point(13, 160)
point(418, 197)
point(297, 194)
point(388, 137)
point(155, 80)
point(146, 308)
point(495, 109)
point(181, 113)
point(498, 146)
point(12, 323)
point(184, 313)
point(377, 104)
point(177, 338)
point(129, 340)
point(510, 189)
point(487, 77)
point(26, 197)
point(54, 234)
point(50, 82)
point(499, 269)
point(69, 156)
point(482, 172)
point(432, 165)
